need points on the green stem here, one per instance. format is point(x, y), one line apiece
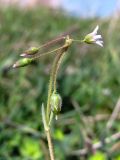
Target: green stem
point(53, 76)
point(50, 145)
point(52, 88)
point(49, 117)
point(54, 41)
point(51, 85)
point(47, 130)
point(44, 54)
point(60, 57)
point(77, 40)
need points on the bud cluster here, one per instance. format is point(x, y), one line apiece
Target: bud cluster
point(26, 60)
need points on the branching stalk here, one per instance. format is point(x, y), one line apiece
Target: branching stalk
point(53, 75)
point(52, 88)
point(34, 53)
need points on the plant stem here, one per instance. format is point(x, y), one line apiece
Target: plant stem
point(53, 76)
point(47, 130)
point(50, 145)
point(54, 41)
point(39, 55)
point(59, 59)
point(51, 89)
point(77, 40)
point(52, 80)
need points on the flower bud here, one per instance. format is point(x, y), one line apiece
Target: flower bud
point(30, 51)
point(22, 62)
point(56, 103)
point(94, 38)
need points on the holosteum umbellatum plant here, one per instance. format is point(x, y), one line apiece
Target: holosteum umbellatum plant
point(54, 100)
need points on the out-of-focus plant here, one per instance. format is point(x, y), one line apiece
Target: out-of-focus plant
point(54, 100)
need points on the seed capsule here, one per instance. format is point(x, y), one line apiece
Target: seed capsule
point(30, 51)
point(22, 62)
point(56, 103)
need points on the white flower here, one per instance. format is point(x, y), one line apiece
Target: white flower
point(93, 37)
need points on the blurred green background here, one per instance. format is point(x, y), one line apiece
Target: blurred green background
point(88, 81)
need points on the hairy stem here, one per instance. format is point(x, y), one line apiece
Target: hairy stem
point(52, 88)
point(39, 55)
point(53, 77)
point(60, 57)
point(50, 145)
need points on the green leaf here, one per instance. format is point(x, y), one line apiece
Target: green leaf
point(30, 148)
point(98, 156)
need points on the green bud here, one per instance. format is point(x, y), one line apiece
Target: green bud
point(56, 103)
point(88, 39)
point(30, 51)
point(22, 62)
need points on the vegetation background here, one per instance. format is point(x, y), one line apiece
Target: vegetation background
point(88, 81)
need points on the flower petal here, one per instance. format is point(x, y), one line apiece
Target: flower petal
point(95, 30)
point(97, 37)
point(100, 43)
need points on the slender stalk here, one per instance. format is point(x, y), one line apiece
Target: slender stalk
point(49, 94)
point(53, 76)
point(67, 44)
point(52, 42)
point(51, 89)
point(51, 85)
point(47, 130)
point(56, 65)
point(50, 145)
point(77, 40)
point(36, 56)
point(60, 57)
point(47, 119)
